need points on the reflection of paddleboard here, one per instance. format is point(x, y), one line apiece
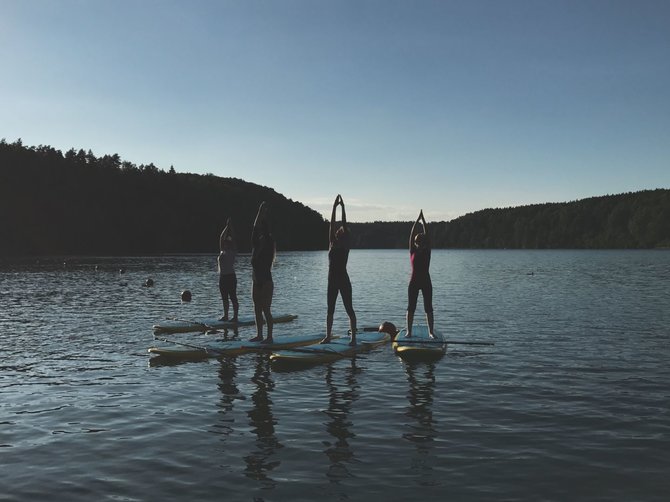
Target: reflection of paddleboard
point(420, 347)
point(186, 326)
point(338, 348)
point(231, 348)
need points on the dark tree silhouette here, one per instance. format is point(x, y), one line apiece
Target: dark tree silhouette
point(77, 204)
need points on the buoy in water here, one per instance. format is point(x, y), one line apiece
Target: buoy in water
point(186, 296)
point(149, 282)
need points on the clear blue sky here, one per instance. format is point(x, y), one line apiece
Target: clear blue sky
point(445, 106)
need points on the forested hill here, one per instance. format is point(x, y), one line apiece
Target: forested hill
point(630, 220)
point(73, 203)
point(77, 204)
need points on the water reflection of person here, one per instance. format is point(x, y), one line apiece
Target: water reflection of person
point(263, 424)
point(226, 334)
point(229, 393)
point(339, 408)
point(421, 380)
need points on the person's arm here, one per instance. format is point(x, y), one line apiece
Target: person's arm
point(425, 229)
point(231, 233)
point(413, 232)
point(223, 235)
point(331, 230)
point(344, 215)
point(260, 217)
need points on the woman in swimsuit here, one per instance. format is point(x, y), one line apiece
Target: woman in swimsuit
point(227, 277)
point(419, 255)
point(338, 278)
point(262, 257)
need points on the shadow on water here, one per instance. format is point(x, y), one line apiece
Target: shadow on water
point(340, 401)
point(422, 433)
point(259, 463)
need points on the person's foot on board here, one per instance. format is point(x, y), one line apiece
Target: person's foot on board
point(326, 339)
point(267, 340)
point(256, 339)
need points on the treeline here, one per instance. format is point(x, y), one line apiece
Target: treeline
point(74, 203)
point(625, 221)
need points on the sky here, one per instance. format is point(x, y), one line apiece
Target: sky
point(447, 106)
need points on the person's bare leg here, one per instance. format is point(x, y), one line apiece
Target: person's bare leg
point(267, 309)
point(430, 320)
point(329, 329)
point(410, 320)
point(268, 318)
point(258, 314)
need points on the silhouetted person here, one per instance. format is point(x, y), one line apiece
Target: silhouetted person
point(227, 277)
point(419, 255)
point(338, 278)
point(262, 289)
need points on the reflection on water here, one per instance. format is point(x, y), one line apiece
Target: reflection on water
point(340, 426)
point(229, 393)
point(226, 334)
point(421, 380)
point(259, 463)
point(570, 404)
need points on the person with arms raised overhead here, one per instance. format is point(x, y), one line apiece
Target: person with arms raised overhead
point(262, 288)
point(338, 278)
point(419, 256)
point(227, 277)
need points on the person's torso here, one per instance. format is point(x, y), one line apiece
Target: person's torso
point(262, 256)
point(338, 256)
point(420, 260)
point(227, 261)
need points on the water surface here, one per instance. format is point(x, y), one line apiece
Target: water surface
point(570, 404)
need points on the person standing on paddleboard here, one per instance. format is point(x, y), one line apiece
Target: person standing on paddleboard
point(419, 256)
point(338, 278)
point(227, 277)
point(262, 288)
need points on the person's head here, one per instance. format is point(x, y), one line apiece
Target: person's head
point(340, 233)
point(228, 242)
point(388, 327)
point(420, 239)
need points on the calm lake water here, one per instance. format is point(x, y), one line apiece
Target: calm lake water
point(572, 402)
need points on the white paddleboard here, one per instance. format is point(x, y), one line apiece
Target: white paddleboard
point(206, 324)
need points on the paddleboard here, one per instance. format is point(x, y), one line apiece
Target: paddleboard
point(338, 348)
point(188, 326)
point(420, 347)
point(178, 350)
